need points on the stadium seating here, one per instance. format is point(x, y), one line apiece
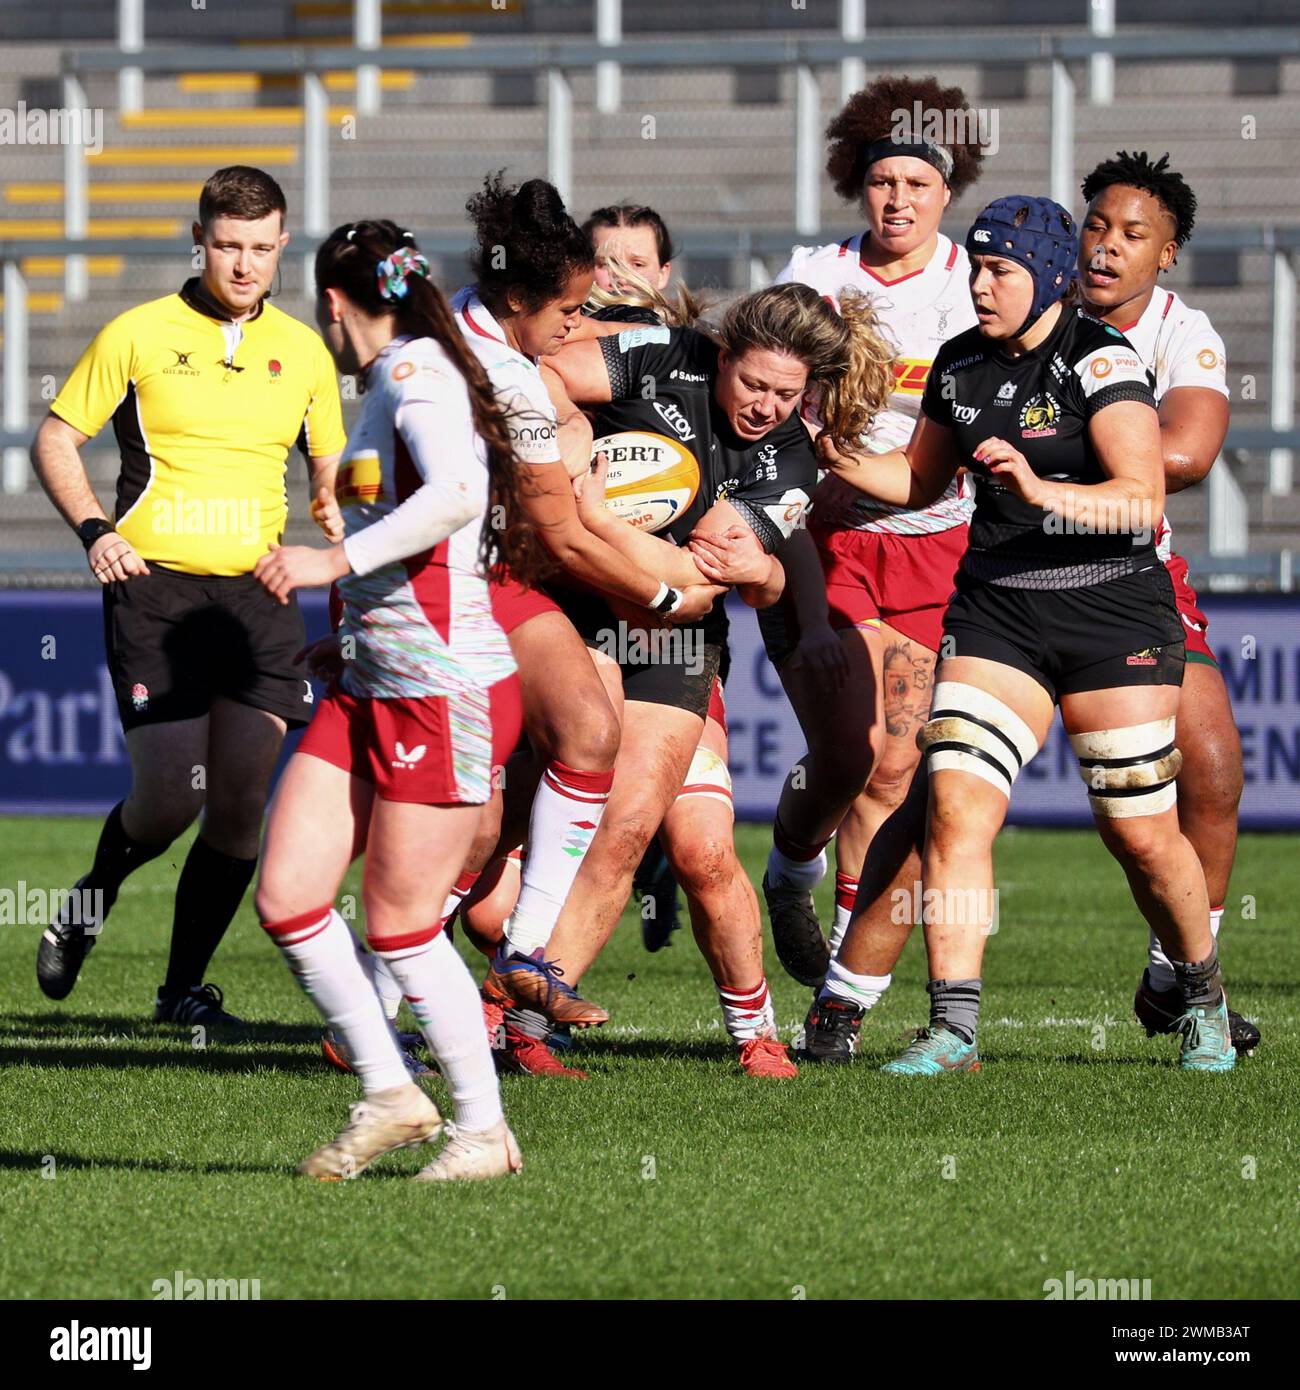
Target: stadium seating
point(720, 158)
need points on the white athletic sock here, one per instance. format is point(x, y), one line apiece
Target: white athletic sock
point(566, 811)
point(321, 951)
point(446, 1004)
point(1216, 921)
point(748, 1013)
point(795, 873)
point(381, 980)
point(846, 893)
point(1160, 971)
point(862, 990)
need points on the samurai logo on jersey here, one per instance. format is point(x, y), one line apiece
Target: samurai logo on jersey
point(1039, 415)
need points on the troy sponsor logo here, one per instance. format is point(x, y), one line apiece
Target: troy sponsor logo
point(408, 760)
point(675, 420)
point(965, 414)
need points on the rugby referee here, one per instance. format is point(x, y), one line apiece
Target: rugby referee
point(207, 389)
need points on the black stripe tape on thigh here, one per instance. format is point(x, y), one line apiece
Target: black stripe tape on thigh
point(985, 725)
point(1129, 762)
point(952, 746)
point(1131, 791)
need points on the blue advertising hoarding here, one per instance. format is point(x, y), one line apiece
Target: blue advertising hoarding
point(61, 747)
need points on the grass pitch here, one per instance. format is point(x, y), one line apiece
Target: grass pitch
point(128, 1155)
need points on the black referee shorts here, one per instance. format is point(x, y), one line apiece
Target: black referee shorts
point(176, 641)
point(1100, 637)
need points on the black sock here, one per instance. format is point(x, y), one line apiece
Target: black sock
point(1201, 982)
point(955, 1005)
point(208, 895)
point(116, 856)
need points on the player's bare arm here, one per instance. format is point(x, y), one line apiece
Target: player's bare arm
point(1193, 424)
point(324, 509)
point(56, 459)
point(912, 477)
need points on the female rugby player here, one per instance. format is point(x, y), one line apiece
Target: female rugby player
point(1140, 214)
point(1061, 599)
point(855, 638)
point(534, 271)
point(734, 406)
point(397, 762)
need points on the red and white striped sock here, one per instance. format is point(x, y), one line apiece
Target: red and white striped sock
point(321, 951)
point(445, 1001)
point(459, 892)
point(748, 1013)
point(566, 812)
point(846, 894)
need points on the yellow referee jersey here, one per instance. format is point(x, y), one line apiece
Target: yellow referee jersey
point(205, 412)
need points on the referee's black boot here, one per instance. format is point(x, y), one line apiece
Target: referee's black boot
point(197, 1006)
point(66, 942)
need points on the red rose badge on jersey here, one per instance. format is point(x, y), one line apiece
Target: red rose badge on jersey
point(274, 368)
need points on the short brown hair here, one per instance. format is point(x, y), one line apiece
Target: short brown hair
point(240, 191)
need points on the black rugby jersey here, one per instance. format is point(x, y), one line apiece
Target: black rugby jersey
point(1040, 403)
point(661, 380)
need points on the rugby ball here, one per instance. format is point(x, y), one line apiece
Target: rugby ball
point(652, 479)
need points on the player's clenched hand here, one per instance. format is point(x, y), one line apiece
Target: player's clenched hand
point(285, 568)
point(325, 512)
point(113, 559)
point(734, 557)
point(1011, 468)
point(697, 600)
point(323, 658)
point(821, 653)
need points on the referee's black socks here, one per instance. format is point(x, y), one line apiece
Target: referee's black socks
point(211, 887)
point(116, 856)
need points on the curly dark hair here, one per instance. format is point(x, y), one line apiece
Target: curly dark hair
point(527, 243)
point(1165, 185)
point(871, 114)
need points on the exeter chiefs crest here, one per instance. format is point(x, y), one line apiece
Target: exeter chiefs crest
point(1039, 415)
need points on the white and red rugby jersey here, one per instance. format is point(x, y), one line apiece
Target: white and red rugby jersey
point(1179, 344)
point(918, 312)
point(422, 625)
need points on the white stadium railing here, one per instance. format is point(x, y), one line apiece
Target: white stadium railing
point(605, 55)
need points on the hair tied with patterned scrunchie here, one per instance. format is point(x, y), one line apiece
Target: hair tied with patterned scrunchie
point(394, 270)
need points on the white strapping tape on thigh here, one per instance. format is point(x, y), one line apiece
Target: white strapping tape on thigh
point(1137, 765)
point(708, 776)
point(970, 730)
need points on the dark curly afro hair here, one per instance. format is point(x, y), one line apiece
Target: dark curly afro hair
point(870, 115)
point(1164, 184)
